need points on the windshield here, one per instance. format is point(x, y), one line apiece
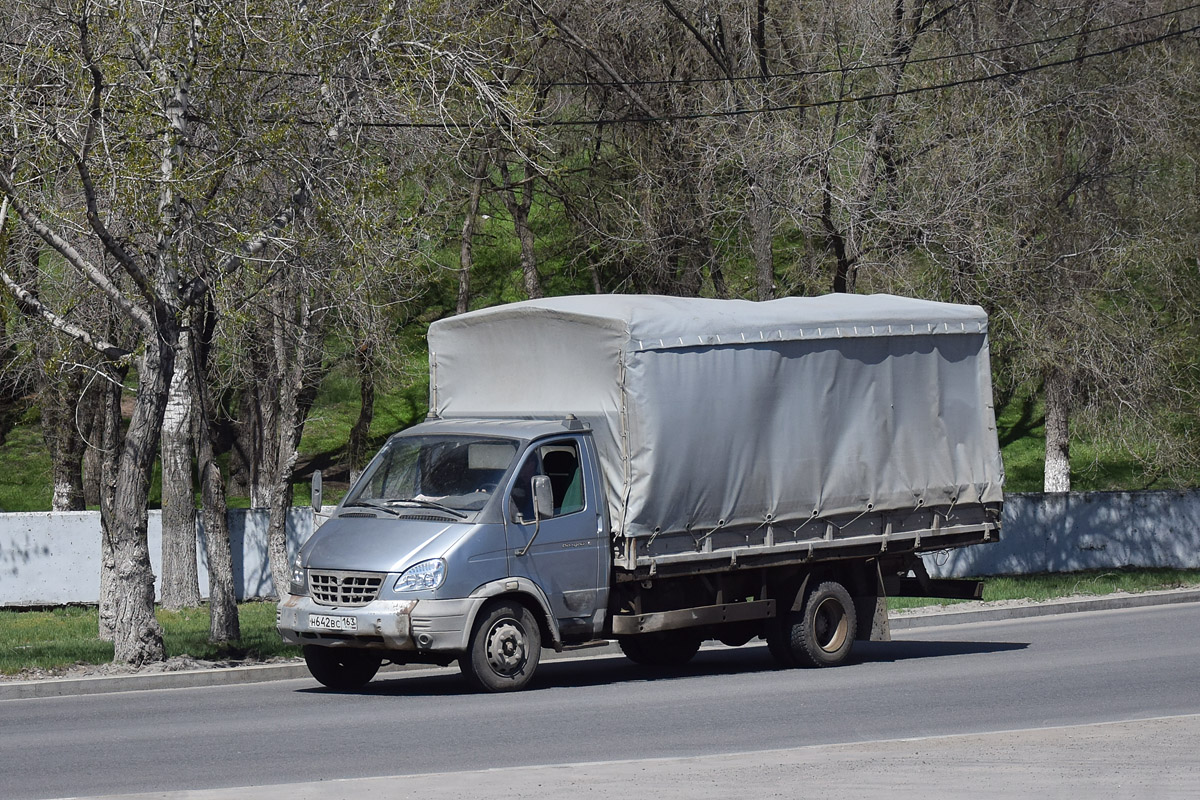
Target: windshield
point(454, 474)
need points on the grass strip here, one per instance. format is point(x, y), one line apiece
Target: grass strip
point(62, 637)
point(1048, 586)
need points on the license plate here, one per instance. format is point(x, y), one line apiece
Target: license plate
point(325, 622)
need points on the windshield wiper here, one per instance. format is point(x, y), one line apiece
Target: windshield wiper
point(414, 503)
point(373, 504)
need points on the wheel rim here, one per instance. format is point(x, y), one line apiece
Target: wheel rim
point(507, 647)
point(830, 625)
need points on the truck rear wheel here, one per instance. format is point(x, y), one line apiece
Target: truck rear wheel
point(824, 630)
point(505, 647)
point(341, 668)
point(820, 634)
point(663, 649)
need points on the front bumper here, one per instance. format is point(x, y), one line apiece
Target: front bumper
point(417, 626)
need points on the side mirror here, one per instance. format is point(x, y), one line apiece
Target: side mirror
point(543, 497)
point(543, 507)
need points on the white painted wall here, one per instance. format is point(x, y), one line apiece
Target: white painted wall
point(53, 558)
point(1084, 530)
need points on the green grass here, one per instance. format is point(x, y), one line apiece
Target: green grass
point(1048, 586)
point(63, 637)
point(25, 480)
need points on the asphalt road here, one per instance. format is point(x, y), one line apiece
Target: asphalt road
point(953, 681)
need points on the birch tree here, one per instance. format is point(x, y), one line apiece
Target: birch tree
point(192, 155)
point(65, 73)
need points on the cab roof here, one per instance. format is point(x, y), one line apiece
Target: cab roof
point(520, 428)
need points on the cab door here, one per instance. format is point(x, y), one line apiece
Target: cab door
point(566, 556)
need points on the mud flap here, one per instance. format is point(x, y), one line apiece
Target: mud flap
point(873, 609)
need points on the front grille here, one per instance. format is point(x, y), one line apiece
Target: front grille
point(344, 588)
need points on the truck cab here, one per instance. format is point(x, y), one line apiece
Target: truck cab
point(467, 539)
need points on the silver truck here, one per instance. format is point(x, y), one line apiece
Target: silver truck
point(659, 471)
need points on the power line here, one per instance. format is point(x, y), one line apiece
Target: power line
point(975, 79)
point(878, 65)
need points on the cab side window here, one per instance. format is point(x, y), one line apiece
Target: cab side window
point(560, 462)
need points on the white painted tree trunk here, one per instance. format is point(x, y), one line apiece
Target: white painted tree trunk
point(1058, 434)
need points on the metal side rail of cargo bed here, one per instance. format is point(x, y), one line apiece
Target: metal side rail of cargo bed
point(864, 536)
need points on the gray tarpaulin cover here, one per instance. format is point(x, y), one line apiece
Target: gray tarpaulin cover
point(723, 413)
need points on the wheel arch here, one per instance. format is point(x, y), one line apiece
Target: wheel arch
point(525, 592)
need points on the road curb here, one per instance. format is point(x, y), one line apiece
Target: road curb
point(259, 673)
point(106, 684)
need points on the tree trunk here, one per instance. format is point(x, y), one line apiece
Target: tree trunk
point(109, 429)
point(356, 445)
point(1058, 439)
point(266, 440)
point(180, 576)
point(296, 372)
point(138, 637)
point(91, 418)
point(242, 449)
point(60, 429)
point(468, 235)
point(224, 625)
point(277, 543)
point(518, 207)
point(761, 235)
point(222, 598)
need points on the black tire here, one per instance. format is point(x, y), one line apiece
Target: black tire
point(664, 649)
point(822, 634)
point(505, 647)
point(342, 668)
point(778, 629)
point(779, 642)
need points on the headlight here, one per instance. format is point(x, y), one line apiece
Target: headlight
point(299, 584)
point(426, 575)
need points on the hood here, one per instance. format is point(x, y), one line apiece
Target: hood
point(382, 544)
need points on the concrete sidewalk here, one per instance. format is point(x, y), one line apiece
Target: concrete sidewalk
point(917, 618)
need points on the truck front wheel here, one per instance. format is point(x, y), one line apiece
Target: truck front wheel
point(821, 633)
point(341, 668)
point(505, 647)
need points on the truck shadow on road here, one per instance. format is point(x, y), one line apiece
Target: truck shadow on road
point(616, 669)
point(906, 650)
